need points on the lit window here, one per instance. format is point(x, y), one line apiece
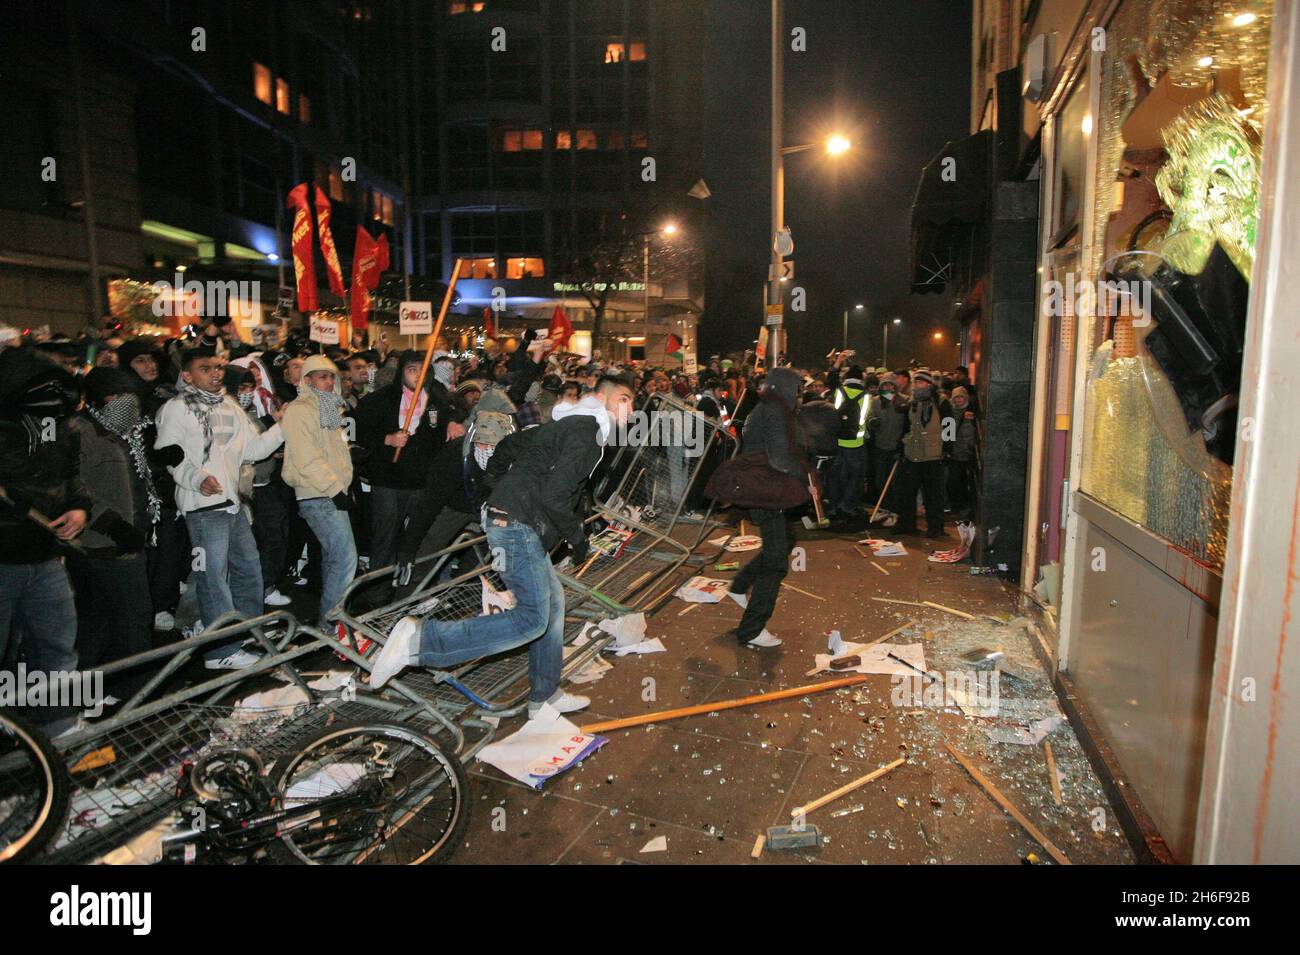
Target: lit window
point(336, 184)
point(304, 109)
point(587, 139)
point(636, 51)
point(262, 83)
point(387, 206)
point(615, 139)
point(512, 140)
point(614, 53)
point(457, 8)
point(282, 96)
point(640, 140)
point(532, 139)
point(481, 268)
point(525, 268)
point(564, 139)
point(377, 205)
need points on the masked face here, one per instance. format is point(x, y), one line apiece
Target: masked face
point(921, 390)
point(121, 413)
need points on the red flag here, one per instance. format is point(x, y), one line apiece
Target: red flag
point(674, 344)
point(489, 326)
point(331, 254)
point(561, 329)
point(369, 259)
point(304, 268)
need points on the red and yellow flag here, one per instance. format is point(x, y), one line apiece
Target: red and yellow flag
point(304, 268)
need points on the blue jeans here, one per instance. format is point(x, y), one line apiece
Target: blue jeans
point(39, 616)
point(230, 574)
point(338, 551)
point(536, 619)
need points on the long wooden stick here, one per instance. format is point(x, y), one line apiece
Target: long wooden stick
point(665, 715)
point(959, 613)
point(881, 569)
point(891, 600)
point(847, 788)
point(428, 354)
point(804, 592)
point(1006, 804)
point(1051, 771)
point(883, 491)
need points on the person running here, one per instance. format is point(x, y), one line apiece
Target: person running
point(318, 466)
point(537, 479)
point(768, 428)
point(217, 438)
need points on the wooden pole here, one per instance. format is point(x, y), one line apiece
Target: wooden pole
point(428, 354)
point(883, 491)
point(664, 715)
point(1006, 804)
point(847, 788)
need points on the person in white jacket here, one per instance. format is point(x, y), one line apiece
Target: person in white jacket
point(217, 438)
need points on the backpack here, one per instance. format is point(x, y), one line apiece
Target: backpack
point(850, 415)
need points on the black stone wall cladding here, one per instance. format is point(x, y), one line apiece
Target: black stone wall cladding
point(1008, 371)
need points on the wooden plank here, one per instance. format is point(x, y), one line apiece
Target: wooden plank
point(664, 715)
point(1051, 771)
point(804, 592)
point(881, 569)
point(758, 845)
point(959, 613)
point(847, 788)
point(1007, 805)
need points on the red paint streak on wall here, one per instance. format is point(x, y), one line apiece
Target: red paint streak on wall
point(1275, 703)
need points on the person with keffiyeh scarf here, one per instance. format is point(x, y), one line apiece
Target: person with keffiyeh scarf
point(109, 571)
point(318, 466)
point(216, 438)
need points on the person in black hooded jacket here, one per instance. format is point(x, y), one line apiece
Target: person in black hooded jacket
point(41, 480)
point(769, 428)
point(379, 433)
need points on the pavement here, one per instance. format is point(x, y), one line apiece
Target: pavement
point(710, 784)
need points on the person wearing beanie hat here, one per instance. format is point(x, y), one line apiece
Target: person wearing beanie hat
point(216, 438)
point(848, 472)
point(961, 466)
point(758, 584)
point(925, 444)
point(318, 466)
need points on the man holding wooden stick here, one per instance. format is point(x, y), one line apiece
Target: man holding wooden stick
point(537, 478)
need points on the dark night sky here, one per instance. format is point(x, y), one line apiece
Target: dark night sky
point(896, 77)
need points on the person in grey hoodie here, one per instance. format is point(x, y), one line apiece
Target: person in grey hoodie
point(769, 428)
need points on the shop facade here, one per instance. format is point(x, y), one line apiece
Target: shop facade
point(1161, 493)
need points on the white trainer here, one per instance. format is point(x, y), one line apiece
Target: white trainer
point(162, 620)
point(239, 660)
point(741, 599)
point(399, 652)
point(765, 639)
point(274, 598)
point(566, 703)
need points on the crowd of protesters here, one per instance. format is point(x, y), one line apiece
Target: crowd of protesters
point(132, 469)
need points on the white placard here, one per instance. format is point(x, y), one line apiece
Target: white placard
point(690, 364)
point(324, 331)
point(415, 318)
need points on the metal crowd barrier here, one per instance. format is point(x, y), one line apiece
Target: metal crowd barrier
point(126, 770)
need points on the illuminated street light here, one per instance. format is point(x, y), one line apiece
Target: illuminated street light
point(670, 229)
point(837, 144)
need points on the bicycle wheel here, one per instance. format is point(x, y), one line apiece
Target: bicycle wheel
point(372, 794)
point(34, 790)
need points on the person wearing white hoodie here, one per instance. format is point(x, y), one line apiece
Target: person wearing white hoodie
point(537, 477)
point(216, 437)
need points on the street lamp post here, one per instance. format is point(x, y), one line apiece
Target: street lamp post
point(778, 170)
point(885, 355)
point(856, 308)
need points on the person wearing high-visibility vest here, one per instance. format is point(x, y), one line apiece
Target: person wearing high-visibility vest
point(849, 470)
